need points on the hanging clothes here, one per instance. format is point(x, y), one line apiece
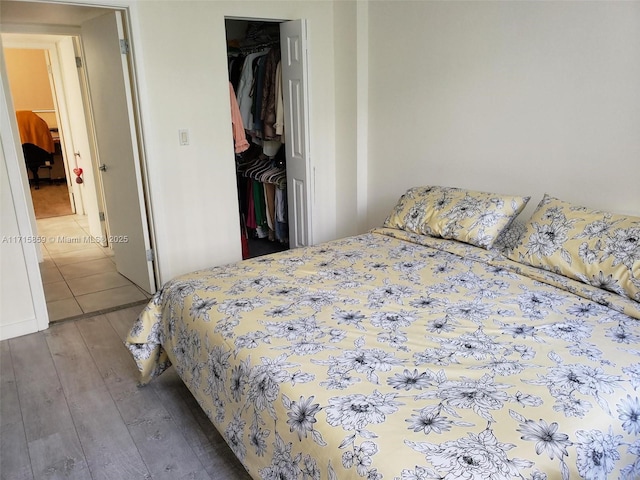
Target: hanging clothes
point(279, 125)
point(239, 136)
point(245, 101)
point(282, 227)
point(270, 200)
point(260, 206)
point(268, 105)
point(251, 211)
point(235, 70)
point(259, 74)
point(255, 75)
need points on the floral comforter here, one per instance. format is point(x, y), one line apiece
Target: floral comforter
point(396, 356)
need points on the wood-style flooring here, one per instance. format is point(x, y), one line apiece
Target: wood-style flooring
point(70, 408)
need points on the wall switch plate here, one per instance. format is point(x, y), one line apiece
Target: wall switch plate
point(183, 135)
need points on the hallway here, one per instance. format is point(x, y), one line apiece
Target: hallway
point(79, 276)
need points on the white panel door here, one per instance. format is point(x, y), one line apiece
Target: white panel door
point(117, 147)
point(76, 139)
point(293, 40)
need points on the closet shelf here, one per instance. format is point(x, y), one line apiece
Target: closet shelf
point(254, 48)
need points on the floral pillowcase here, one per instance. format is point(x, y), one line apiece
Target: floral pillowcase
point(598, 248)
point(471, 217)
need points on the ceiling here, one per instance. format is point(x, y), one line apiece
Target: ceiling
point(41, 13)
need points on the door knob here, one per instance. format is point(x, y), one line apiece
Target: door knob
point(102, 168)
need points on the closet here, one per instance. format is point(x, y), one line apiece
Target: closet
point(257, 112)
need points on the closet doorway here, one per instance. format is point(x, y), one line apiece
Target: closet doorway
point(275, 139)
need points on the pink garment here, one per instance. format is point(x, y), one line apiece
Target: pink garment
point(239, 137)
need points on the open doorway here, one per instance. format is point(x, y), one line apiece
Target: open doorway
point(253, 53)
point(79, 274)
point(31, 89)
point(268, 77)
point(81, 269)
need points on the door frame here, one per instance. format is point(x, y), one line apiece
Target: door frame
point(62, 118)
point(310, 167)
point(93, 177)
point(50, 44)
point(18, 178)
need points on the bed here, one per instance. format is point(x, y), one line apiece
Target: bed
point(453, 342)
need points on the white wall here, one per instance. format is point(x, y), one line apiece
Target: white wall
point(512, 97)
point(180, 49)
point(346, 51)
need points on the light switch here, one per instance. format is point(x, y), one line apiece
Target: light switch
point(184, 136)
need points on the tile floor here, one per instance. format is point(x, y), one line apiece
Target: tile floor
point(80, 277)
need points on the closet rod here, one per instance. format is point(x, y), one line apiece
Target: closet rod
point(254, 48)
